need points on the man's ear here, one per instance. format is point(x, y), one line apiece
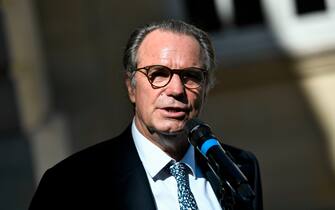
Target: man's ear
point(130, 87)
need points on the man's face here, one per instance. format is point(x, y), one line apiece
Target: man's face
point(166, 110)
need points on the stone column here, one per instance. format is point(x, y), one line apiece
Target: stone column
point(45, 128)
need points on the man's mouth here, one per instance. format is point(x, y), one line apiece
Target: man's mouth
point(175, 112)
point(175, 109)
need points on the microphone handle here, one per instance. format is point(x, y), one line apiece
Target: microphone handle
point(223, 165)
point(218, 156)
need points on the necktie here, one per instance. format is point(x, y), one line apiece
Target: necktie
point(185, 196)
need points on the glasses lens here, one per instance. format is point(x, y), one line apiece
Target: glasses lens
point(159, 76)
point(192, 78)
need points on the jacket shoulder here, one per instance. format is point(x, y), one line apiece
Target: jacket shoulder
point(80, 179)
point(240, 156)
point(248, 164)
point(95, 155)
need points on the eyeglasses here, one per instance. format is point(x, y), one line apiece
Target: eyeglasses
point(159, 76)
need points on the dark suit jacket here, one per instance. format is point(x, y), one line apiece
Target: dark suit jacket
point(110, 175)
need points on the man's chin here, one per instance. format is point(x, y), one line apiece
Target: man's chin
point(176, 130)
point(168, 126)
point(172, 132)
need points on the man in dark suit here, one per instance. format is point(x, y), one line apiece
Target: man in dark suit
point(168, 74)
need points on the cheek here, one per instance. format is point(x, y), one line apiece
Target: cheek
point(141, 99)
point(198, 105)
point(197, 99)
point(139, 91)
point(145, 98)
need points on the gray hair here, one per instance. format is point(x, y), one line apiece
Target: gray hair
point(176, 26)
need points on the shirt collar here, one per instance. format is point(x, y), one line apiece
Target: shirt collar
point(189, 160)
point(154, 159)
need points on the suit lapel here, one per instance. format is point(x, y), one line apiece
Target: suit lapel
point(140, 195)
point(135, 184)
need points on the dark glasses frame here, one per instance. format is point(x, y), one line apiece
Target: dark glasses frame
point(171, 73)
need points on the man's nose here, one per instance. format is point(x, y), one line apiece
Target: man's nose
point(175, 86)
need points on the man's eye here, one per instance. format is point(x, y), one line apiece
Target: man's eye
point(159, 73)
point(195, 76)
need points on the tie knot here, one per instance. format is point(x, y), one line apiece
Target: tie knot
point(178, 169)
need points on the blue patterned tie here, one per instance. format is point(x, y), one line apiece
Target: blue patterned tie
point(185, 196)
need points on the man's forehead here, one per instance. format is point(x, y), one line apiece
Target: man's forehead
point(160, 35)
point(166, 46)
point(162, 38)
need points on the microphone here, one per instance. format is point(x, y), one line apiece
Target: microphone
point(201, 137)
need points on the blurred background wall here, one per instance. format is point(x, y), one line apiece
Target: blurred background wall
point(61, 87)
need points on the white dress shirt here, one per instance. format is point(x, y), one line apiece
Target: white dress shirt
point(163, 185)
